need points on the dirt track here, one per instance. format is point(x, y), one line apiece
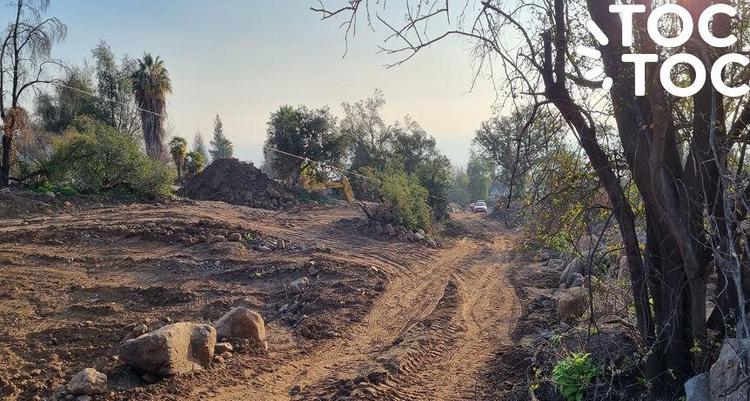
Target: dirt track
point(382, 321)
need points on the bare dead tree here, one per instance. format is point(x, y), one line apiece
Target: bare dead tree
point(24, 63)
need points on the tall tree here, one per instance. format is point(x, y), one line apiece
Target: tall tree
point(194, 164)
point(56, 110)
point(178, 148)
point(221, 147)
point(366, 132)
point(24, 61)
point(115, 88)
point(514, 143)
point(310, 134)
point(152, 84)
point(479, 174)
point(199, 145)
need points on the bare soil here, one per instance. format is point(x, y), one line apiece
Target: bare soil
point(381, 320)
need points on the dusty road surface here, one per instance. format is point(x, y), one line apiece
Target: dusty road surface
point(380, 320)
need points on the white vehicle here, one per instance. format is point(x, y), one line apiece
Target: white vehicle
point(480, 207)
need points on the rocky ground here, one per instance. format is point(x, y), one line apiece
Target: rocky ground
point(349, 314)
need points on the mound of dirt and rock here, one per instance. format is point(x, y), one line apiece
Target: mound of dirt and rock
point(239, 183)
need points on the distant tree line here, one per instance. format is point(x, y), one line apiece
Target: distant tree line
point(361, 143)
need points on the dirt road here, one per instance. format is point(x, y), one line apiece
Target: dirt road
point(382, 321)
point(428, 337)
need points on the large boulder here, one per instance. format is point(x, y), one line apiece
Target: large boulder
point(241, 322)
point(88, 382)
point(171, 350)
point(697, 388)
point(571, 302)
point(575, 266)
point(730, 376)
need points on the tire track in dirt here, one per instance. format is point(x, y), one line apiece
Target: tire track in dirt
point(414, 290)
point(441, 356)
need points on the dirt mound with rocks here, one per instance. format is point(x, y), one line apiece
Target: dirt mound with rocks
point(239, 183)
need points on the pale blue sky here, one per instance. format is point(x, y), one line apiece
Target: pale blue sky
point(245, 58)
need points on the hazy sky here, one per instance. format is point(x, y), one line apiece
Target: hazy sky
point(245, 58)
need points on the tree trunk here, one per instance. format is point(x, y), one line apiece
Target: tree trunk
point(5, 166)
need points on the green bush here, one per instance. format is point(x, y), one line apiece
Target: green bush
point(93, 158)
point(58, 188)
point(404, 201)
point(573, 374)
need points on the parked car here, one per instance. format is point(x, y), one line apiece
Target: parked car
point(480, 207)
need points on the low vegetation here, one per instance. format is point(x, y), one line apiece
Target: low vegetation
point(94, 159)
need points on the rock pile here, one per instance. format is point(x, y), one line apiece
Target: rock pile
point(403, 234)
point(239, 183)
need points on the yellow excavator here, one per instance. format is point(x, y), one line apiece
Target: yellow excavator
point(343, 185)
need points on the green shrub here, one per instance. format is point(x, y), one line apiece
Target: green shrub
point(404, 201)
point(56, 188)
point(93, 158)
point(573, 374)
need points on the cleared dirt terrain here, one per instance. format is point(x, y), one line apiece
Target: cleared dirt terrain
point(380, 320)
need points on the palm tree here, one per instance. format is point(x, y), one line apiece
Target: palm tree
point(151, 85)
point(179, 149)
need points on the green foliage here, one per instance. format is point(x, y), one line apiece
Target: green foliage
point(479, 172)
point(459, 189)
point(178, 148)
point(373, 146)
point(194, 163)
point(55, 111)
point(114, 83)
point(564, 191)
point(221, 147)
point(113, 104)
point(93, 158)
point(404, 201)
point(515, 143)
point(199, 145)
point(573, 374)
point(58, 188)
point(151, 85)
point(308, 133)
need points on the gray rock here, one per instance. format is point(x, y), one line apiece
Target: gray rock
point(729, 377)
point(88, 382)
point(221, 348)
point(171, 350)
point(556, 263)
point(241, 322)
point(377, 228)
point(576, 280)
point(298, 286)
point(389, 230)
point(575, 266)
point(697, 388)
point(571, 303)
